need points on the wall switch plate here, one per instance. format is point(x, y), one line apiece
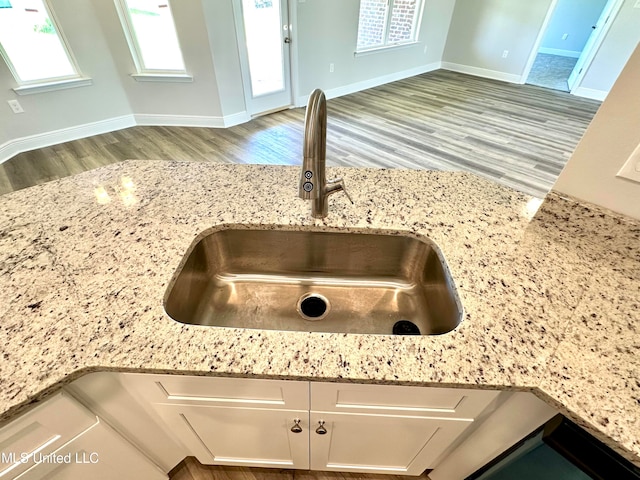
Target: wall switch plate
point(566, 35)
point(631, 169)
point(331, 68)
point(505, 54)
point(15, 106)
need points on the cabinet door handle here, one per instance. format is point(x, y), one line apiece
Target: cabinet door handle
point(321, 430)
point(296, 426)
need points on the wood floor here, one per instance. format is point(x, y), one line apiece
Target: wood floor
point(518, 135)
point(191, 469)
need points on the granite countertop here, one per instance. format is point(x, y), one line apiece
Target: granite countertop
point(551, 301)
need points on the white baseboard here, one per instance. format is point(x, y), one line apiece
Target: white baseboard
point(377, 81)
point(561, 53)
point(372, 82)
point(41, 140)
point(236, 119)
point(590, 93)
point(145, 119)
point(481, 72)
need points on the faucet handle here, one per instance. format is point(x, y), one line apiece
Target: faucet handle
point(335, 185)
point(344, 189)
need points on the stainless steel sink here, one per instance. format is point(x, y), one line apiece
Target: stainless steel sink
point(314, 281)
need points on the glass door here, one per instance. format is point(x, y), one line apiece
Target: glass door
point(264, 40)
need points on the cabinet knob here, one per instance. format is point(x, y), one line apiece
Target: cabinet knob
point(321, 430)
point(296, 426)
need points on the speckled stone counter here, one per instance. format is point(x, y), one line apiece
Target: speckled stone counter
point(551, 302)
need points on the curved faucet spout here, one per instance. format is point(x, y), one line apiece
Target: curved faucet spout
point(313, 182)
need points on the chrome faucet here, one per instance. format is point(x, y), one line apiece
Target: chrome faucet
point(314, 185)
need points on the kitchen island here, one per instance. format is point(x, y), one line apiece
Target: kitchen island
point(551, 298)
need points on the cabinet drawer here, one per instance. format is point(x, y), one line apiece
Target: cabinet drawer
point(400, 400)
point(217, 391)
point(40, 431)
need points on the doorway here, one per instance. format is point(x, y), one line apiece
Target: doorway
point(263, 36)
point(569, 41)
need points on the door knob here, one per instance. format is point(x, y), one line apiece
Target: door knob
point(296, 426)
point(287, 40)
point(321, 430)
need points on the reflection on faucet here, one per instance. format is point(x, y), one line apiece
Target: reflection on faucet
point(313, 183)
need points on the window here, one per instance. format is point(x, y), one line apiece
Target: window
point(152, 37)
point(31, 43)
point(387, 22)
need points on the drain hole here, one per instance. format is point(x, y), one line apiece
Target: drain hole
point(313, 306)
point(405, 327)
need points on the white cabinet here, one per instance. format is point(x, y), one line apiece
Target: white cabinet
point(42, 430)
point(240, 436)
point(61, 439)
point(388, 429)
point(381, 444)
point(342, 427)
point(233, 421)
point(99, 454)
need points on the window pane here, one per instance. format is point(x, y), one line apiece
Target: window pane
point(371, 26)
point(156, 34)
point(263, 27)
point(31, 42)
point(402, 21)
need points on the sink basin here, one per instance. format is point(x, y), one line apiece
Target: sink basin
point(314, 281)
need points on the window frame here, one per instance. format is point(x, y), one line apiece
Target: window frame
point(142, 72)
point(48, 83)
point(415, 29)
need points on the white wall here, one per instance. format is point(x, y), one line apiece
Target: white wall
point(481, 30)
point(49, 111)
point(96, 39)
point(226, 59)
point(574, 18)
point(607, 144)
point(616, 49)
point(325, 36)
point(158, 99)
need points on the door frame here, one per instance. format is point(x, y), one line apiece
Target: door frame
point(589, 52)
point(244, 59)
point(615, 6)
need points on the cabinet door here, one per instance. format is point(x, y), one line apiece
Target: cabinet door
point(97, 454)
point(42, 430)
point(380, 443)
point(240, 436)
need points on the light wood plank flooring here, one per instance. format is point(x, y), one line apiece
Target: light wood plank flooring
point(191, 469)
point(518, 135)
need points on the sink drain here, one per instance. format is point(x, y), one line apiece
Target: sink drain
point(313, 306)
point(405, 327)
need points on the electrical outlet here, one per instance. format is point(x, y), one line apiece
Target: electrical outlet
point(631, 169)
point(15, 106)
point(505, 54)
point(331, 67)
point(566, 35)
